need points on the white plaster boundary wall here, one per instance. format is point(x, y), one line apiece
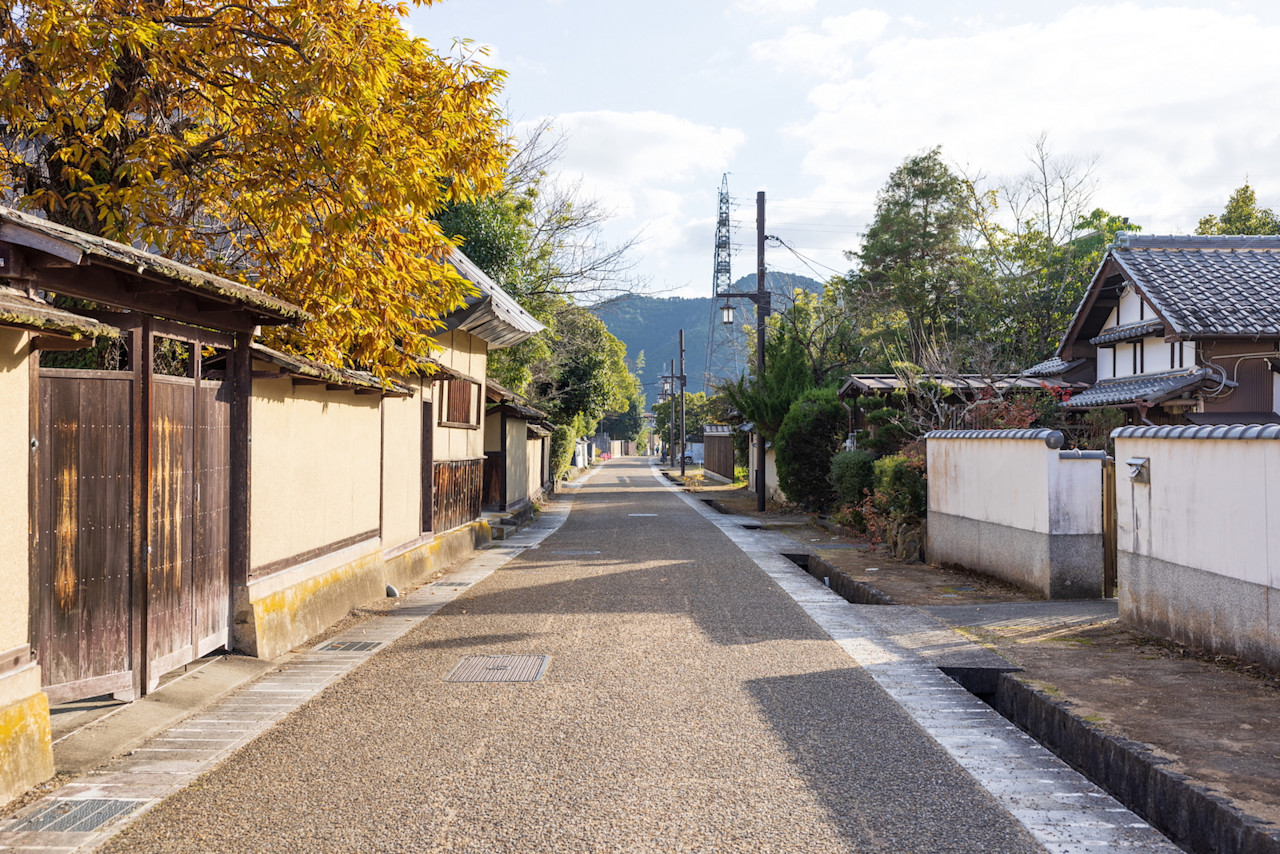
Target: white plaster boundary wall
point(1008, 503)
point(1198, 531)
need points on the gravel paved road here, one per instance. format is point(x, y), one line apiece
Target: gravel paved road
point(689, 706)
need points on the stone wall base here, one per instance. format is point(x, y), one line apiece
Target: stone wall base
point(1056, 566)
point(1199, 608)
point(269, 620)
point(26, 746)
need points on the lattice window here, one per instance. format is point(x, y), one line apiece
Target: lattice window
point(459, 403)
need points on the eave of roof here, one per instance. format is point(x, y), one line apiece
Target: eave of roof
point(1128, 332)
point(492, 314)
point(80, 248)
point(1148, 389)
point(1051, 367)
point(873, 383)
point(17, 310)
point(328, 374)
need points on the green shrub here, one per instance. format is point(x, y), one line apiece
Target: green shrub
point(809, 436)
point(901, 491)
point(561, 451)
point(852, 475)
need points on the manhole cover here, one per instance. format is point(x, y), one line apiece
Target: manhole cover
point(499, 668)
point(79, 816)
point(451, 584)
point(575, 552)
point(353, 646)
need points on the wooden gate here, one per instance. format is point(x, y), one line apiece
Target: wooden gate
point(82, 533)
point(1109, 528)
point(91, 613)
point(188, 572)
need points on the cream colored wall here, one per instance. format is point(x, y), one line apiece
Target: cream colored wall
point(467, 355)
point(533, 456)
point(15, 450)
point(1003, 481)
point(402, 467)
point(1211, 504)
point(314, 467)
point(517, 460)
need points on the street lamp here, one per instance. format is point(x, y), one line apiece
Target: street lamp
point(726, 312)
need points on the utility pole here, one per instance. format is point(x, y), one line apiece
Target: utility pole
point(671, 414)
point(762, 311)
point(760, 296)
point(684, 435)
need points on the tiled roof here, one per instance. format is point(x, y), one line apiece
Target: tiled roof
point(79, 248)
point(1149, 388)
point(1208, 286)
point(23, 312)
point(1050, 367)
point(1128, 332)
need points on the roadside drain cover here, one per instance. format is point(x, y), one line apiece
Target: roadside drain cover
point(499, 668)
point(575, 552)
point(66, 816)
point(353, 646)
point(642, 514)
point(451, 584)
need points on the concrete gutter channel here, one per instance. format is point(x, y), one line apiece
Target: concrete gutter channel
point(1196, 820)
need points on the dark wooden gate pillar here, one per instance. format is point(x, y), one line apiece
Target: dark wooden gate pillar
point(141, 351)
point(241, 391)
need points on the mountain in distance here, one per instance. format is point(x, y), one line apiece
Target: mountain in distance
point(651, 325)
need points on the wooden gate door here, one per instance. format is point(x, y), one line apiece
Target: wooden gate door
point(80, 580)
point(188, 566)
point(1110, 547)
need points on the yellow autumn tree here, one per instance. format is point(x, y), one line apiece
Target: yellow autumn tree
point(302, 146)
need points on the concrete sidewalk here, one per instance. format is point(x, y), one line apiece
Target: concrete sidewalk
point(700, 693)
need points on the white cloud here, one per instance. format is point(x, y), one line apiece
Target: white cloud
point(774, 8)
point(828, 50)
point(1175, 101)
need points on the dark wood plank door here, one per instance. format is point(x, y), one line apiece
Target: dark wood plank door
point(211, 564)
point(188, 575)
point(171, 528)
point(80, 580)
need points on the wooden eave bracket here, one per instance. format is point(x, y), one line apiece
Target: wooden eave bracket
point(49, 342)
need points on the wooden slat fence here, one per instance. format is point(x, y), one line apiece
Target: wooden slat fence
point(458, 486)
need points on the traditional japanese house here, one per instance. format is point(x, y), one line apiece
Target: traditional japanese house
point(1178, 330)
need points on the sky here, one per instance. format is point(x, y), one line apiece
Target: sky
point(816, 102)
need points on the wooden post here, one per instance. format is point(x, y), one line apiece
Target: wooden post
point(241, 379)
point(141, 344)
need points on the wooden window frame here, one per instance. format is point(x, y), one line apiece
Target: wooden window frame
point(449, 392)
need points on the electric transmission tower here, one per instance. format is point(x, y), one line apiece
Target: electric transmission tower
point(726, 344)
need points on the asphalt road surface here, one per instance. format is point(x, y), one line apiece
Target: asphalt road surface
point(689, 705)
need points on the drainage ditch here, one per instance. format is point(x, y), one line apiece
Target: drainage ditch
point(1193, 818)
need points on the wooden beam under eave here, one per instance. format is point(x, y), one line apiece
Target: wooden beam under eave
point(119, 290)
point(60, 343)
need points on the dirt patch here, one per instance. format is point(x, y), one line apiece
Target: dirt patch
point(1215, 719)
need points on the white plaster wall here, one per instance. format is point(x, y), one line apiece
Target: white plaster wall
point(1002, 481)
point(1106, 363)
point(1131, 309)
point(1211, 504)
point(518, 461)
point(533, 456)
point(1075, 495)
point(402, 468)
point(315, 470)
point(15, 451)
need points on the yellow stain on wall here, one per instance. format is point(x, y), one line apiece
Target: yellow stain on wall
point(67, 523)
point(26, 746)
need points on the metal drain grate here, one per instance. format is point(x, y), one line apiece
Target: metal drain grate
point(499, 668)
point(575, 552)
point(452, 583)
point(353, 646)
point(80, 816)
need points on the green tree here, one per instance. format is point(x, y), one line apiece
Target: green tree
point(1241, 216)
point(809, 437)
point(914, 261)
point(765, 400)
point(587, 375)
point(699, 410)
point(301, 145)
